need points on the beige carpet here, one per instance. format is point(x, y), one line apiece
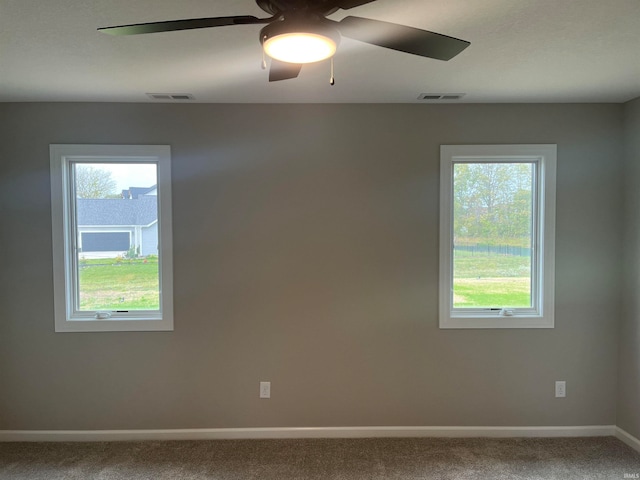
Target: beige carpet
point(326, 459)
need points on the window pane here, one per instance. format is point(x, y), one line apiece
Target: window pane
point(492, 232)
point(117, 233)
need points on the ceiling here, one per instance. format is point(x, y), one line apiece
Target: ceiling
point(521, 51)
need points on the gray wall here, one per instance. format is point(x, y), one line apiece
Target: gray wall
point(629, 357)
point(305, 242)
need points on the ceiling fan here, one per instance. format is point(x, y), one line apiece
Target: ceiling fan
point(298, 32)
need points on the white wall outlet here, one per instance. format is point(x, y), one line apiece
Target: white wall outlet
point(265, 389)
point(561, 389)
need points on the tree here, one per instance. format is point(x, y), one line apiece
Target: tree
point(492, 202)
point(92, 182)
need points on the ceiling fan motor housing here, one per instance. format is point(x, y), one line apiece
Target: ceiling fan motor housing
point(276, 7)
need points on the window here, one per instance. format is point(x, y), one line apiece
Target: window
point(112, 261)
point(497, 222)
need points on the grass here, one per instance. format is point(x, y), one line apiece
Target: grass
point(482, 280)
point(491, 292)
point(119, 284)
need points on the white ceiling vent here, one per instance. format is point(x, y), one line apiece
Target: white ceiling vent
point(170, 96)
point(440, 96)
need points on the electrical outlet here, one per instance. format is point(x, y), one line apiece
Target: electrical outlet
point(561, 389)
point(265, 389)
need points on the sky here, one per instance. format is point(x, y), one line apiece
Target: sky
point(130, 174)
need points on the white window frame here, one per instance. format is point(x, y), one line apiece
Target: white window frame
point(65, 239)
point(541, 315)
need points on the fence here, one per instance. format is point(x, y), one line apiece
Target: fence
point(484, 249)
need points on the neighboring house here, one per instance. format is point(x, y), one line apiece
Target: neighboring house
point(135, 192)
point(111, 226)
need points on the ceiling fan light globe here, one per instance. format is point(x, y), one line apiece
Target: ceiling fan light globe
point(300, 47)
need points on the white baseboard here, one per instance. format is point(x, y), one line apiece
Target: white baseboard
point(312, 432)
point(627, 438)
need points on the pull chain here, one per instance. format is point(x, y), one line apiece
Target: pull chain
point(264, 61)
point(332, 80)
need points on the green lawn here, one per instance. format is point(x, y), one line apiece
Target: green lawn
point(482, 280)
point(491, 292)
point(119, 284)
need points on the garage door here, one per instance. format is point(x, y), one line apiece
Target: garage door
point(105, 242)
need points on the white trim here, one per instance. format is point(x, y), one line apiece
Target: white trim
point(541, 315)
point(296, 432)
point(64, 239)
point(621, 435)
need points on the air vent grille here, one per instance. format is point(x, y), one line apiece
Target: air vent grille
point(170, 96)
point(440, 96)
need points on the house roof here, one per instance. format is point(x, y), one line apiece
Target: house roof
point(117, 212)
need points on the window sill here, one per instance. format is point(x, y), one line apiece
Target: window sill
point(115, 325)
point(515, 321)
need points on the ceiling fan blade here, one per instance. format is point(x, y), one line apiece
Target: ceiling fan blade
point(402, 38)
point(174, 25)
point(347, 4)
point(283, 70)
